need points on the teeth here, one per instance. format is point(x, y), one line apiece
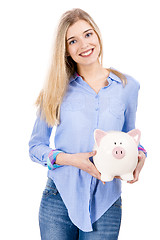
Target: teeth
point(86, 53)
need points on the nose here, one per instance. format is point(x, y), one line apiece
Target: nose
point(118, 152)
point(83, 43)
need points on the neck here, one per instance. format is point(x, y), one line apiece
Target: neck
point(92, 71)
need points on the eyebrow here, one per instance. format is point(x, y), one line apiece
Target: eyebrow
point(83, 32)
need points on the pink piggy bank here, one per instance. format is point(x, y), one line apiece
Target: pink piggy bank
point(117, 153)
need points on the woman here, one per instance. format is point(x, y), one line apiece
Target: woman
point(79, 96)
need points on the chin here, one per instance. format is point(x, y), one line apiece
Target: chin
point(88, 61)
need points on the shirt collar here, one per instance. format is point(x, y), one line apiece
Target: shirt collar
point(111, 76)
point(114, 77)
point(74, 77)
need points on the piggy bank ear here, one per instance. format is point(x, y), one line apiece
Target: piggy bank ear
point(136, 134)
point(98, 135)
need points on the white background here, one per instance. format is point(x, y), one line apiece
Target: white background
point(130, 31)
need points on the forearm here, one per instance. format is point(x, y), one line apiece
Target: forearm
point(64, 159)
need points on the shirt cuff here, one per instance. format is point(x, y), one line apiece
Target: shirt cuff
point(52, 158)
point(141, 148)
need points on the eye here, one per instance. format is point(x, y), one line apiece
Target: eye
point(88, 34)
point(120, 142)
point(115, 143)
point(72, 42)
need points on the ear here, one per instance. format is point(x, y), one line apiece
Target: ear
point(98, 135)
point(136, 134)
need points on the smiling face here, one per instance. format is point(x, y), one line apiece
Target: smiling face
point(82, 43)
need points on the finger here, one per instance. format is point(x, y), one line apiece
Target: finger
point(93, 153)
point(102, 181)
point(95, 173)
point(118, 177)
point(132, 181)
point(97, 176)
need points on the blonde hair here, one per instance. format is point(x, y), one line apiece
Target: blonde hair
point(63, 67)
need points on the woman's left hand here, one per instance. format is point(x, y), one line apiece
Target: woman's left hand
point(141, 161)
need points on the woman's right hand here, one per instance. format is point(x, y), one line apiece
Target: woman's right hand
point(81, 161)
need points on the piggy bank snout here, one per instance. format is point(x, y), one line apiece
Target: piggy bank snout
point(118, 152)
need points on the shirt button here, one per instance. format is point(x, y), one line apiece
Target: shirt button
point(96, 109)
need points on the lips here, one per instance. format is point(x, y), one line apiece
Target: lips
point(87, 53)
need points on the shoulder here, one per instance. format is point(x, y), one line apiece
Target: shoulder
point(117, 75)
point(131, 90)
point(132, 83)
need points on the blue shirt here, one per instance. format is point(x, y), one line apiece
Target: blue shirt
point(82, 111)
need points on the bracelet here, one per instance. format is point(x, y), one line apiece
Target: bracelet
point(52, 158)
point(140, 148)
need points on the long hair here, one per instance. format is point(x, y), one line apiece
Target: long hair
point(63, 67)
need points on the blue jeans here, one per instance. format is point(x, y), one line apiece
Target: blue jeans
point(56, 225)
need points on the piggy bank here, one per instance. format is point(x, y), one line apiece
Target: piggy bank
point(117, 153)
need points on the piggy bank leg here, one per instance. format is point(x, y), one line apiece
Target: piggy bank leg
point(127, 177)
point(106, 178)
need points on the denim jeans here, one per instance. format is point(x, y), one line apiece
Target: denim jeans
point(56, 225)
